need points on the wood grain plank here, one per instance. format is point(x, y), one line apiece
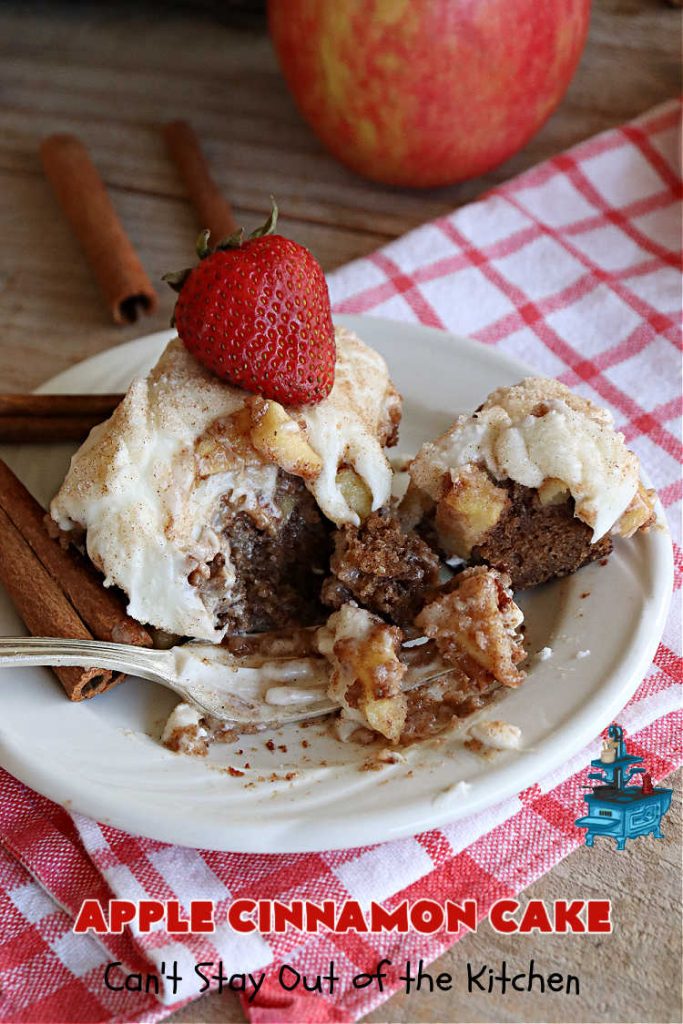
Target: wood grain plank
point(50, 307)
point(111, 74)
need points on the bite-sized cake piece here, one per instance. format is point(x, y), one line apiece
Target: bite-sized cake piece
point(474, 648)
point(366, 672)
point(381, 567)
point(211, 507)
point(475, 619)
point(535, 483)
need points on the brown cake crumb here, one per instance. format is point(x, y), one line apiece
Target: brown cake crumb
point(383, 568)
point(279, 562)
point(534, 543)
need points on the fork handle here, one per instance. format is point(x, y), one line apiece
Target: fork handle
point(19, 652)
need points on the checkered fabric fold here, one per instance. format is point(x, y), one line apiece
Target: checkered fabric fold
point(575, 268)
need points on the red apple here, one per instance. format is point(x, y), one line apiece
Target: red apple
point(427, 92)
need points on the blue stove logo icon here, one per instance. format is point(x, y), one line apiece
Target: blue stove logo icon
point(616, 809)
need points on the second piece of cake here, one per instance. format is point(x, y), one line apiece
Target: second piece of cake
point(535, 483)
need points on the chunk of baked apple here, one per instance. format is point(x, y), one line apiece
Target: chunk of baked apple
point(280, 439)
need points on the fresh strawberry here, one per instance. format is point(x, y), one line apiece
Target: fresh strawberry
point(257, 313)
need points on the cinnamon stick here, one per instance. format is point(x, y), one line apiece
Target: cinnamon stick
point(83, 197)
point(56, 591)
point(59, 405)
point(212, 208)
point(30, 419)
point(45, 610)
point(100, 609)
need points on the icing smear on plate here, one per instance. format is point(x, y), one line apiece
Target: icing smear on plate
point(221, 683)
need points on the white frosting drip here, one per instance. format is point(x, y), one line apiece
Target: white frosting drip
point(342, 430)
point(536, 431)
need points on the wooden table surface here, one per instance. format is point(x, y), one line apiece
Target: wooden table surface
point(112, 73)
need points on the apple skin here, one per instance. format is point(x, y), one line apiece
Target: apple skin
point(427, 92)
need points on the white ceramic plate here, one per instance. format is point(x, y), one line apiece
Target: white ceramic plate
point(103, 757)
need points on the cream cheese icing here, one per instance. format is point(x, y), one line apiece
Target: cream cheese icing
point(535, 431)
point(137, 488)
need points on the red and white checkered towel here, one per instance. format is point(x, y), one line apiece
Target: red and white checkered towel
point(575, 268)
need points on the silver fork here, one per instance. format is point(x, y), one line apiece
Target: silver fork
point(246, 691)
